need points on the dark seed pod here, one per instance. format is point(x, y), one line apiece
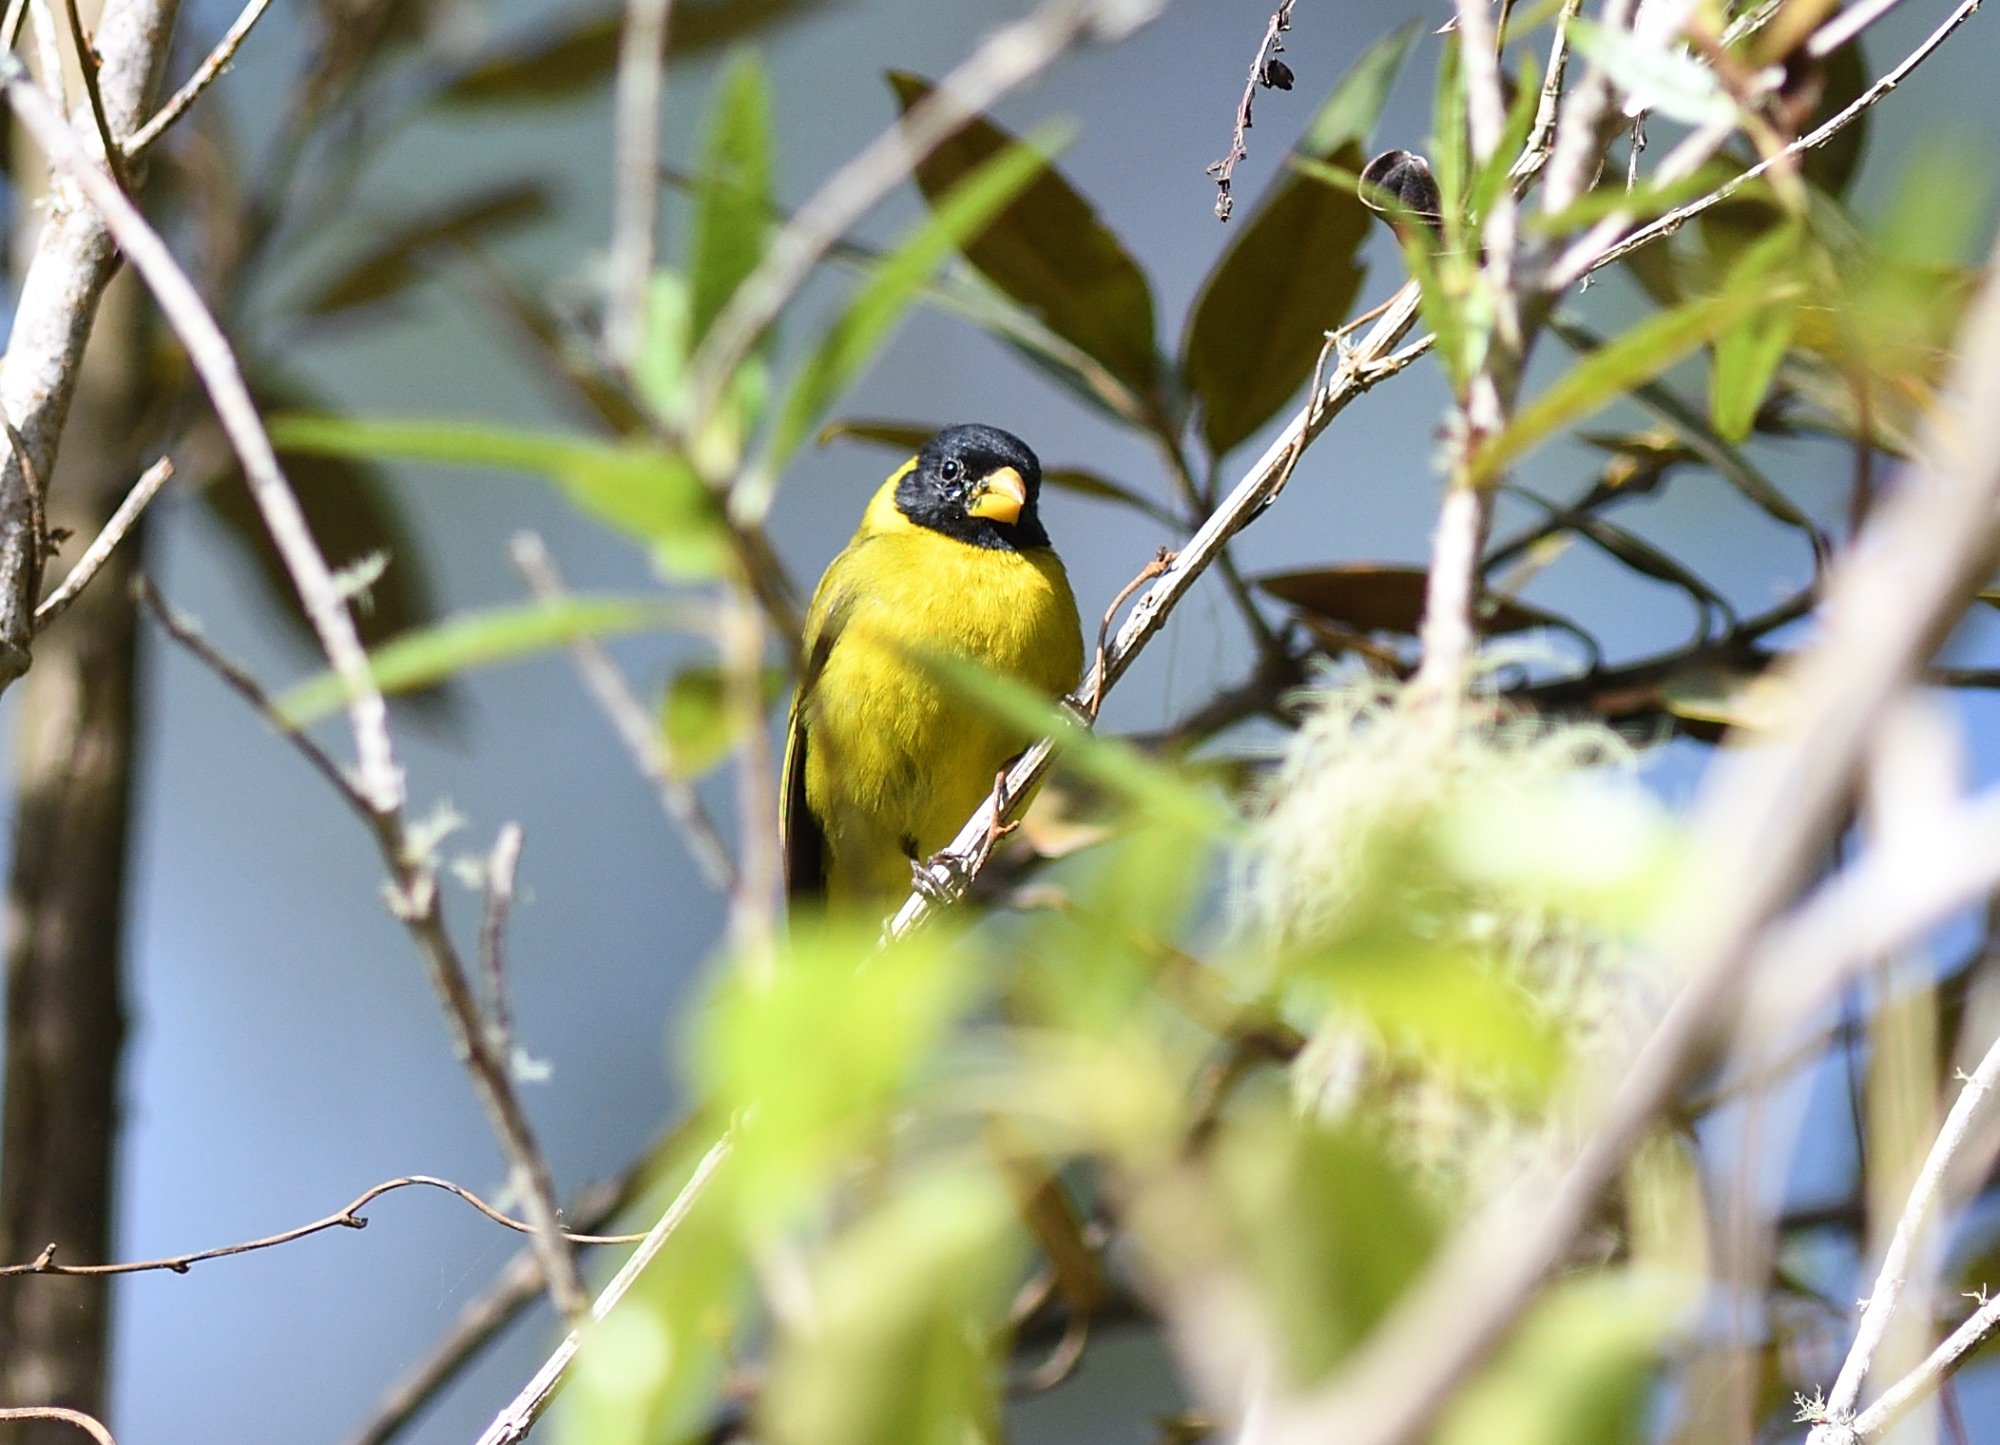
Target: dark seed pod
point(1278, 75)
point(1399, 184)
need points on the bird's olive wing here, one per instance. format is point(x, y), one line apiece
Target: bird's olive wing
point(800, 832)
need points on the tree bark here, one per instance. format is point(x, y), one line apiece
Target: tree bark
point(65, 1020)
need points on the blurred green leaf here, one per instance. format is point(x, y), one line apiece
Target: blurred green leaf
point(1496, 175)
point(1700, 439)
point(395, 262)
point(653, 1368)
point(696, 719)
point(813, 1058)
point(1578, 1370)
point(1050, 252)
point(1332, 1229)
point(1117, 767)
point(565, 64)
point(854, 338)
point(1293, 270)
point(1746, 361)
point(732, 199)
point(1450, 1006)
point(479, 639)
point(1638, 355)
point(907, 1307)
point(643, 490)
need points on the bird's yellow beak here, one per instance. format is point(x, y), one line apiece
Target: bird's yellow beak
point(1000, 497)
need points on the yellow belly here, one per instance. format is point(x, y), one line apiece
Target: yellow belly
point(896, 761)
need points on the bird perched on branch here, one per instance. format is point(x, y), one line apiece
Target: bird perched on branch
point(884, 761)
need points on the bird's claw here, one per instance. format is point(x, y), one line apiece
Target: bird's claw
point(923, 877)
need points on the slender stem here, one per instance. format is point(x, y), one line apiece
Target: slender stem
point(513, 1424)
point(90, 63)
point(205, 75)
point(94, 556)
point(641, 90)
point(641, 735)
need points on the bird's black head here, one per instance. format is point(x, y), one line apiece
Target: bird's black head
point(978, 484)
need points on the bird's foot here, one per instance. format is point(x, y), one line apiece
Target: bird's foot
point(949, 889)
point(998, 827)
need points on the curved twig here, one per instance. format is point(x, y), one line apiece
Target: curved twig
point(346, 1217)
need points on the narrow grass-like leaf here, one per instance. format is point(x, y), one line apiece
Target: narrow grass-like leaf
point(1051, 253)
point(859, 332)
point(643, 490)
point(1113, 765)
point(732, 200)
point(479, 639)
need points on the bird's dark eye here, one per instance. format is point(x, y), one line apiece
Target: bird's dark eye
point(951, 469)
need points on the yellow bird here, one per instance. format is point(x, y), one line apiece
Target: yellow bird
point(884, 763)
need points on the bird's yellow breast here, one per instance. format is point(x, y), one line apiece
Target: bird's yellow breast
point(895, 761)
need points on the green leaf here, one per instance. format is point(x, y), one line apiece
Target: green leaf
point(1579, 1368)
point(1659, 400)
point(1832, 165)
point(859, 332)
point(1332, 1230)
point(1746, 360)
point(395, 262)
point(1115, 766)
point(563, 65)
point(1634, 357)
point(907, 1307)
point(1051, 253)
point(1292, 272)
point(643, 490)
point(696, 719)
point(479, 639)
point(732, 199)
point(816, 1055)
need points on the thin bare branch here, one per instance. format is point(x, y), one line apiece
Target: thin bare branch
point(205, 75)
point(512, 1424)
point(501, 865)
point(1911, 1228)
point(1266, 71)
point(379, 779)
point(89, 62)
point(635, 727)
point(347, 1217)
point(89, 1424)
point(1673, 220)
point(100, 548)
point(635, 207)
point(1926, 1378)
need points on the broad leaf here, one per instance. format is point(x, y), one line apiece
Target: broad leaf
point(643, 490)
point(859, 332)
point(1746, 360)
point(1370, 598)
point(564, 65)
point(695, 716)
point(732, 200)
point(396, 261)
point(479, 639)
point(1292, 272)
point(1660, 77)
point(1050, 252)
